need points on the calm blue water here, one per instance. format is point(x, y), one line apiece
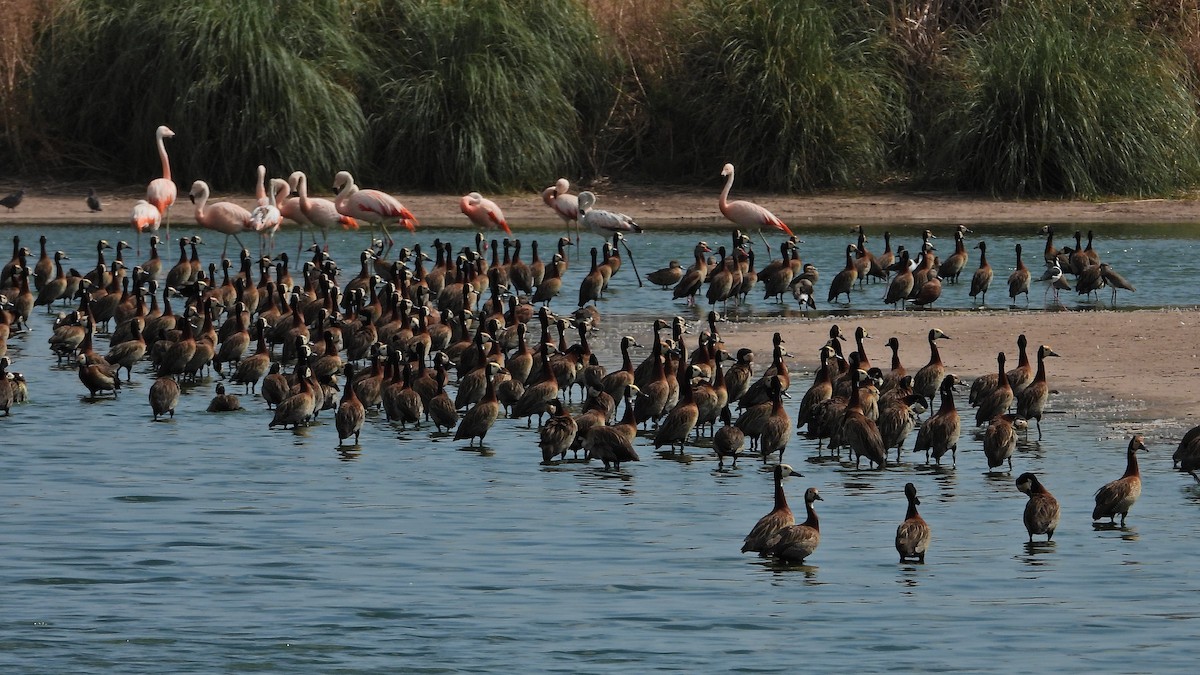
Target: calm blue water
point(211, 544)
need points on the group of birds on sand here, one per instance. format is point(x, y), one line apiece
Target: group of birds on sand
point(389, 336)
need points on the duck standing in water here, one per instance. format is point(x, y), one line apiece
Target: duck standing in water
point(794, 543)
point(779, 517)
point(1041, 511)
point(912, 535)
point(1117, 497)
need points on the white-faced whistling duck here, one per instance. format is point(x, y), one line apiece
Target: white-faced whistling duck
point(1000, 439)
point(897, 370)
point(477, 421)
point(1187, 455)
point(1117, 497)
point(275, 386)
point(939, 434)
point(557, 434)
point(777, 274)
point(54, 288)
point(694, 278)
point(300, 407)
point(860, 432)
point(350, 413)
point(1041, 511)
point(98, 377)
point(729, 440)
point(930, 376)
point(794, 543)
point(1018, 281)
point(1031, 402)
point(164, 396)
point(929, 292)
point(981, 281)
point(614, 444)
point(222, 402)
point(737, 378)
point(779, 517)
point(901, 285)
point(844, 280)
point(592, 285)
point(777, 428)
point(898, 413)
point(997, 401)
point(954, 263)
point(912, 535)
point(680, 421)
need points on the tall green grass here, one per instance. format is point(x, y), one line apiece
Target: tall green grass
point(241, 82)
point(482, 94)
point(793, 92)
point(1070, 98)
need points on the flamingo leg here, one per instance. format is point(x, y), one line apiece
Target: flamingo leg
point(764, 238)
point(637, 275)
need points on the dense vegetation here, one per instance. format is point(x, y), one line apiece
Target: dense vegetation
point(1072, 98)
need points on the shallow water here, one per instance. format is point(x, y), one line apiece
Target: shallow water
point(211, 543)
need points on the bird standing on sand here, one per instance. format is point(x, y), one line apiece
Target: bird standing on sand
point(12, 201)
point(483, 213)
point(93, 202)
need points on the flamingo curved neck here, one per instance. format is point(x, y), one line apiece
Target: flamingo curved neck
point(723, 201)
point(162, 156)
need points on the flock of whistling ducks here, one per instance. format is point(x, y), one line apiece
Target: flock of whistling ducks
point(389, 336)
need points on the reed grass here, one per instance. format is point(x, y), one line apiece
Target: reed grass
point(482, 95)
point(241, 82)
point(18, 33)
point(793, 92)
point(1088, 105)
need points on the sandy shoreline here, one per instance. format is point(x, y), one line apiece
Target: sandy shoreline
point(697, 207)
point(1138, 366)
point(1134, 365)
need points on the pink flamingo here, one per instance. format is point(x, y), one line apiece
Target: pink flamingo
point(289, 207)
point(747, 215)
point(266, 218)
point(321, 212)
point(260, 189)
point(144, 218)
point(373, 206)
point(224, 217)
point(484, 213)
point(161, 192)
point(565, 204)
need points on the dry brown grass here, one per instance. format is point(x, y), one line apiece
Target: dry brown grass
point(18, 29)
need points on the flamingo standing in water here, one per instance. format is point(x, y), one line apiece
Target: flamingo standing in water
point(320, 212)
point(565, 204)
point(266, 217)
point(373, 206)
point(161, 192)
point(747, 215)
point(484, 213)
point(607, 224)
point(289, 207)
point(144, 218)
point(224, 217)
